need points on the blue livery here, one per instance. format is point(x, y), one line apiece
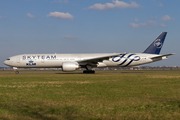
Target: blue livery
point(156, 45)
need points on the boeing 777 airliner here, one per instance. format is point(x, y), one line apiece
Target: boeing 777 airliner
point(71, 62)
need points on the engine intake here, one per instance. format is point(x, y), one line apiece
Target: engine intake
point(69, 66)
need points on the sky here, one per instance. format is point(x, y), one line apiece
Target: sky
point(88, 26)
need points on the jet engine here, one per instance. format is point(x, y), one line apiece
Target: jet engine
point(69, 66)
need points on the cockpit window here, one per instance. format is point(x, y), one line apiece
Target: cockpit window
point(8, 59)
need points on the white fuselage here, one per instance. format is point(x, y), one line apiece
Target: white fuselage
point(56, 60)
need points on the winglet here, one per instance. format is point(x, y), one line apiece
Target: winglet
point(156, 45)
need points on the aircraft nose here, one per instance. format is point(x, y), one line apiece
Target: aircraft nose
point(8, 63)
point(5, 62)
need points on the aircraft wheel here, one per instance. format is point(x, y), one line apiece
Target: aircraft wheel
point(17, 72)
point(89, 71)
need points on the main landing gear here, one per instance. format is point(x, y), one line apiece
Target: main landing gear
point(89, 71)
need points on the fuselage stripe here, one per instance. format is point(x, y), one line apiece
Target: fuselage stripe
point(129, 63)
point(126, 59)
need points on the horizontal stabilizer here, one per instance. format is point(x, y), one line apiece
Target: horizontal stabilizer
point(160, 56)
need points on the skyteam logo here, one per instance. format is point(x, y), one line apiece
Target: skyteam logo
point(31, 63)
point(123, 59)
point(158, 43)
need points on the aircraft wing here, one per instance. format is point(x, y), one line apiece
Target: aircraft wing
point(162, 56)
point(97, 59)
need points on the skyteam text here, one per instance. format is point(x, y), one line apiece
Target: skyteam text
point(30, 57)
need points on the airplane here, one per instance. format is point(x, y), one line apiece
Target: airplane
point(71, 62)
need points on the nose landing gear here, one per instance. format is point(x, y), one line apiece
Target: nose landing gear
point(17, 72)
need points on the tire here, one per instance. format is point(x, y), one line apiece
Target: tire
point(89, 71)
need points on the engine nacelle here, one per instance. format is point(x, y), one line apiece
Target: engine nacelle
point(69, 66)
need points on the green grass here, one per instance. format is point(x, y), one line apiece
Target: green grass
point(116, 95)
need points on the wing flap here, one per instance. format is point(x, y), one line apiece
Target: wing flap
point(97, 59)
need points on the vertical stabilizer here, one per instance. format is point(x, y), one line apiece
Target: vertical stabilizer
point(156, 45)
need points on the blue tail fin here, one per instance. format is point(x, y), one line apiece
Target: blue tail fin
point(156, 45)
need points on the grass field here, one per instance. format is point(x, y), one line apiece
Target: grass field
point(116, 95)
